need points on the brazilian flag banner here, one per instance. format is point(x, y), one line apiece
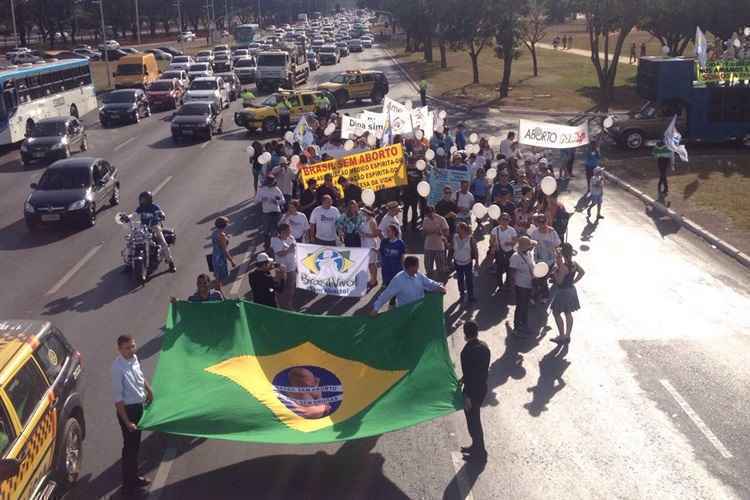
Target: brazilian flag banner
point(245, 372)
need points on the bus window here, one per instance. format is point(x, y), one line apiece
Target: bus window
point(9, 102)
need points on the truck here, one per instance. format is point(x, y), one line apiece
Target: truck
point(285, 67)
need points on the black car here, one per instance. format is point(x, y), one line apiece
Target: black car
point(71, 191)
point(172, 50)
point(52, 139)
point(113, 54)
point(126, 105)
point(234, 86)
point(197, 119)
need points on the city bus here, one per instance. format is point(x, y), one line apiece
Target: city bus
point(711, 104)
point(33, 92)
point(245, 33)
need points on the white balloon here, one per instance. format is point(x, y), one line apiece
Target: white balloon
point(419, 134)
point(289, 137)
point(454, 149)
point(429, 155)
point(442, 114)
point(331, 128)
point(665, 50)
point(250, 151)
point(264, 158)
point(474, 138)
point(368, 197)
point(423, 188)
point(371, 140)
point(491, 173)
point(118, 216)
point(421, 164)
point(294, 160)
point(747, 31)
point(549, 185)
point(494, 212)
point(541, 269)
point(441, 152)
point(608, 122)
point(349, 145)
point(479, 210)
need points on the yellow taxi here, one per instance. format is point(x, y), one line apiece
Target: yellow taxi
point(357, 85)
point(264, 113)
point(41, 411)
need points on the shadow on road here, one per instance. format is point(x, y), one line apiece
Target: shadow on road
point(112, 285)
point(551, 369)
point(16, 236)
point(463, 482)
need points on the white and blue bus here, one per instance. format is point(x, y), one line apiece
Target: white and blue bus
point(33, 92)
point(244, 34)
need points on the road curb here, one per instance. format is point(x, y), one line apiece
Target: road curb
point(689, 224)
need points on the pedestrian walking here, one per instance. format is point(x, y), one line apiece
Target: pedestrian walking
point(664, 158)
point(465, 257)
point(464, 202)
point(255, 165)
point(348, 225)
point(475, 363)
point(593, 157)
point(284, 248)
point(597, 194)
point(567, 274)
point(408, 286)
point(547, 241)
point(297, 221)
point(264, 280)
point(503, 238)
point(633, 55)
point(423, 92)
point(370, 239)
point(323, 223)
point(220, 256)
point(522, 264)
point(284, 180)
point(131, 392)
point(271, 200)
point(392, 251)
point(436, 232)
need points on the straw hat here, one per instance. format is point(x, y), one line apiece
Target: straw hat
point(525, 243)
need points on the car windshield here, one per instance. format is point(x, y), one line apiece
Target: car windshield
point(181, 59)
point(199, 67)
point(203, 85)
point(118, 97)
point(194, 109)
point(270, 101)
point(48, 129)
point(130, 69)
point(64, 178)
point(204, 53)
point(340, 79)
point(161, 86)
point(171, 74)
point(222, 56)
point(271, 60)
point(245, 63)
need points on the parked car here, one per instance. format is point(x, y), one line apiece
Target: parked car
point(53, 138)
point(126, 105)
point(178, 74)
point(196, 119)
point(24, 57)
point(200, 70)
point(245, 69)
point(114, 54)
point(166, 94)
point(232, 84)
point(41, 411)
point(71, 191)
point(130, 50)
point(109, 45)
point(171, 50)
point(92, 55)
point(159, 54)
point(186, 36)
point(208, 89)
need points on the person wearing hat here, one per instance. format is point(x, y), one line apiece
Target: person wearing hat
point(369, 236)
point(392, 218)
point(522, 267)
point(567, 274)
point(271, 200)
point(262, 281)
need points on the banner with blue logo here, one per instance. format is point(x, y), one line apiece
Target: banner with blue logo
point(439, 178)
point(341, 271)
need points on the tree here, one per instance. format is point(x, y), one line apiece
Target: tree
point(532, 29)
point(605, 19)
point(469, 31)
point(507, 37)
point(673, 22)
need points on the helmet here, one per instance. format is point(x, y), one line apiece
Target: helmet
point(146, 197)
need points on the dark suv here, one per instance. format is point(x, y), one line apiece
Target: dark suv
point(53, 138)
point(197, 119)
point(126, 105)
point(42, 424)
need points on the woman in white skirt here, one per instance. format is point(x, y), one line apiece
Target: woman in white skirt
point(369, 235)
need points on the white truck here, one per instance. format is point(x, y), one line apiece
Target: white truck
point(285, 67)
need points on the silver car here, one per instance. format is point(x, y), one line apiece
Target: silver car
point(208, 89)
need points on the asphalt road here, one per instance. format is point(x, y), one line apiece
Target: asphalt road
point(650, 401)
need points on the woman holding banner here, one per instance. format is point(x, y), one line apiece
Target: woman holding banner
point(348, 225)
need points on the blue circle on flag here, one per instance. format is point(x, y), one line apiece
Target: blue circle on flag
point(310, 392)
point(332, 255)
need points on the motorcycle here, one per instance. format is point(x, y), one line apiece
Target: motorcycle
point(142, 253)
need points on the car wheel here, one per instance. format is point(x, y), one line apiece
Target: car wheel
point(30, 225)
point(115, 199)
point(269, 125)
point(633, 139)
point(71, 453)
point(342, 98)
point(210, 134)
point(139, 272)
point(104, 123)
point(136, 116)
point(73, 111)
point(84, 143)
point(148, 111)
point(91, 216)
point(377, 97)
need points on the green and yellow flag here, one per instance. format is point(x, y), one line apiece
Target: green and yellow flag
point(239, 371)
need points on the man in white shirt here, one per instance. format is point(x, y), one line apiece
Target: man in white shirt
point(465, 202)
point(522, 267)
point(392, 218)
point(131, 391)
point(284, 249)
point(506, 145)
point(284, 178)
point(297, 221)
point(271, 199)
point(323, 222)
point(502, 240)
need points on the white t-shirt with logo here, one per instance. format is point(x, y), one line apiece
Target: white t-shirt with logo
point(325, 222)
point(297, 223)
point(271, 198)
point(505, 238)
point(289, 261)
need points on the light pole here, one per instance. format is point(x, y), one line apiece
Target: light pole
point(106, 50)
point(137, 22)
point(15, 30)
point(260, 18)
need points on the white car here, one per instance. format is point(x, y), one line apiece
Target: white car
point(109, 45)
point(238, 54)
point(208, 89)
point(200, 70)
point(180, 62)
point(245, 68)
point(18, 50)
point(176, 74)
point(186, 36)
point(24, 57)
point(205, 55)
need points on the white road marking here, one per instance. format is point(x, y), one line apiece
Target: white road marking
point(122, 145)
point(464, 491)
point(241, 272)
point(161, 186)
point(162, 473)
point(697, 420)
point(74, 270)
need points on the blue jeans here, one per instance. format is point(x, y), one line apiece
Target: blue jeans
point(465, 277)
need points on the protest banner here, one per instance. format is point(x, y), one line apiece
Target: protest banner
point(352, 127)
point(441, 177)
point(375, 121)
point(398, 116)
point(551, 135)
point(375, 169)
point(332, 270)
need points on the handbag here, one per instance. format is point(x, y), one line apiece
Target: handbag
point(210, 262)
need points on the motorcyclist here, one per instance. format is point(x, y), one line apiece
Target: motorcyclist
point(152, 216)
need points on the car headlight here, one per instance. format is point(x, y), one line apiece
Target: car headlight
point(29, 208)
point(77, 205)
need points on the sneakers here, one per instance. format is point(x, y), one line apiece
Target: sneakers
point(172, 267)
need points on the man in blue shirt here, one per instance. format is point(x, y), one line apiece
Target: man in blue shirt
point(593, 157)
point(152, 216)
point(407, 286)
point(461, 137)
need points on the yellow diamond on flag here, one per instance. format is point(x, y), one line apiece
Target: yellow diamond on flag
point(307, 388)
